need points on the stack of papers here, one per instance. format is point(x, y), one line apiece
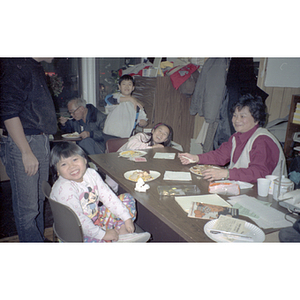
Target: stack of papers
point(180, 176)
point(263, 215)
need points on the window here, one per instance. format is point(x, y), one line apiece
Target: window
point(63, 80)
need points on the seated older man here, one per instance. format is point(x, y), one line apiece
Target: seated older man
point(88, 121)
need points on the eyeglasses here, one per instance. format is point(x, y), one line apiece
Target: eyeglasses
point(72, 112)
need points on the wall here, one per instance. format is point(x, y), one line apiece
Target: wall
point(279, 100)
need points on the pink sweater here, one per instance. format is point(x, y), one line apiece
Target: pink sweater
point(264, 156)
point(138, 141)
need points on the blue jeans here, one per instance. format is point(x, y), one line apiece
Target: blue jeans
point(27, 195)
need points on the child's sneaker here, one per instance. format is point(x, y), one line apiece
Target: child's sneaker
point(134, 237)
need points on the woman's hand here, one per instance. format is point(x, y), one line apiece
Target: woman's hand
point(187, 158)
point(213, 174)
point(129, 226)
point(111, 235)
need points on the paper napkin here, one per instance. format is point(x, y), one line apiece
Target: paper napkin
point(181, 176)
point(162, 155)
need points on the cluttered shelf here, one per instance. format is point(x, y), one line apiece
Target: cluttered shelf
point(292, 138)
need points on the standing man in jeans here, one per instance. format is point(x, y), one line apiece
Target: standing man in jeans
point(28, 115)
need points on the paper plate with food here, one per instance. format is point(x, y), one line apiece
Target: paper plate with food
point(144, 174)
point(74, 135)
point(198, 169)
point(132, 153)
point(251, 233)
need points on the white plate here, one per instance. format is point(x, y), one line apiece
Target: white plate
point(70, 136)
point(253, 231)
point(154, 175)
point(199, 166)
point(134, 153)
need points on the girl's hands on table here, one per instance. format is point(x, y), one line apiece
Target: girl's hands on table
point(158, 146)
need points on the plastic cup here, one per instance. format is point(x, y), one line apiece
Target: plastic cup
point(263, 185)
point(272, 178)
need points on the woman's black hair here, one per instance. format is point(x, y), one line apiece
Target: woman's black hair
point(256, 107)
point(168, 141)
point(64, 150)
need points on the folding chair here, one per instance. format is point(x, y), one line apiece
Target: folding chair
point(113, 145)
point(66, 226)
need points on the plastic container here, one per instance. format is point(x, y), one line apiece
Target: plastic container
point(178, 190)
point(286, 186)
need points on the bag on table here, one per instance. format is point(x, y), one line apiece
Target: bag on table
point(224, 188)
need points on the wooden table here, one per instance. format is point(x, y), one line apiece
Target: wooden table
point(161, 216)
point(58, 138)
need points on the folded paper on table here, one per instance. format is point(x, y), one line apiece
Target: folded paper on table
point(229, 224)
point(180, 176)
point(186, 201)
point(162, 155)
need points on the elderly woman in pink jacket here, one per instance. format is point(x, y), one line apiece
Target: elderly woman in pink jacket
point(250, 153)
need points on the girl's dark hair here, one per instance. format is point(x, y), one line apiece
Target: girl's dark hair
point(168, 141)
point(256, 107)
point(126, 77)
point(64, 150)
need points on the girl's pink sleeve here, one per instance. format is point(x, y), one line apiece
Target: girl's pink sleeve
point(138, 141)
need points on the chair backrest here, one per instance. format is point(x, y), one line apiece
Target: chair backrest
point(113, 145)
point(66, 225)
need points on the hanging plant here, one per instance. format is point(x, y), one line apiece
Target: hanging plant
point(55, 84)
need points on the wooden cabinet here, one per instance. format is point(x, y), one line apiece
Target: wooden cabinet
point(163, 103)
point(292, 128)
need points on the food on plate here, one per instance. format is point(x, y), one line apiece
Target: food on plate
point(130, 153)
point(70, 135)
point(145, 175)
point(198, 169)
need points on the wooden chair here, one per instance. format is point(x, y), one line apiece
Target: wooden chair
point(113, 145)
point(66, 226)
